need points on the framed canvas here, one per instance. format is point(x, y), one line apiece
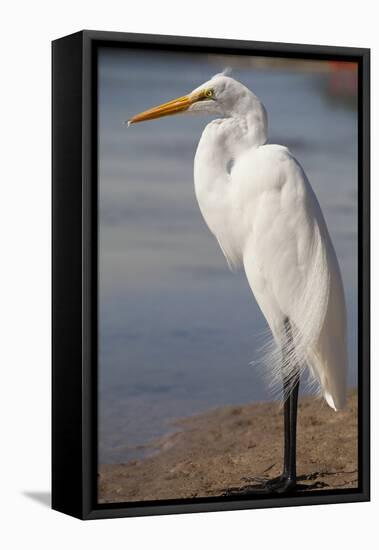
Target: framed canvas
point(210, 275)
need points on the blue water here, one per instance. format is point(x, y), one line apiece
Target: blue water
point(177, 330)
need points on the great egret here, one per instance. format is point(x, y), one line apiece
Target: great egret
point(260, 206)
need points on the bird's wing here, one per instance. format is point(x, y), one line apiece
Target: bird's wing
point(293, 271)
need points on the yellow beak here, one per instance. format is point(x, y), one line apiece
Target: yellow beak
point(170, 108)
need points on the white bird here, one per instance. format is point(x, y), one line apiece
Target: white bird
point(260, 206)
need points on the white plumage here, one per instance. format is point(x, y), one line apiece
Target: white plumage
point(259, 204)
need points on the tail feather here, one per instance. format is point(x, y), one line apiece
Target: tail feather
point(318, 322)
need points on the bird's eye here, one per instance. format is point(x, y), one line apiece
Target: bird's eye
point(209, 93)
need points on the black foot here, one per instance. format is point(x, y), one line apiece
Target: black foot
point(278, 485)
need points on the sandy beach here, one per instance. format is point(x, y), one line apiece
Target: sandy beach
point(224, 448)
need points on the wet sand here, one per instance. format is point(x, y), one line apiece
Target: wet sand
point(224, 448)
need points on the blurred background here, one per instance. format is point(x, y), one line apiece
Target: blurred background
point(177, 329)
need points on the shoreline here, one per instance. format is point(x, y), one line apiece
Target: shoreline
point(224, 447)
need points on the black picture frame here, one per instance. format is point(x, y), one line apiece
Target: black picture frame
point(74, 272)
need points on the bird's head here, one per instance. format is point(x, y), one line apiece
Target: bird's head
point(221, 96)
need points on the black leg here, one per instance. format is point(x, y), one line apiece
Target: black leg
point(290, 412)
point(290, 425)
point(286, 482)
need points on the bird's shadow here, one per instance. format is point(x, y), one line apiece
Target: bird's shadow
point(41, 497)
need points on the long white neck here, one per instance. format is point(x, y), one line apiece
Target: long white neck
point(220, 146)
point(224, 139)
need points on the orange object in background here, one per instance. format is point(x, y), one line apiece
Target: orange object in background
point(343, 79)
